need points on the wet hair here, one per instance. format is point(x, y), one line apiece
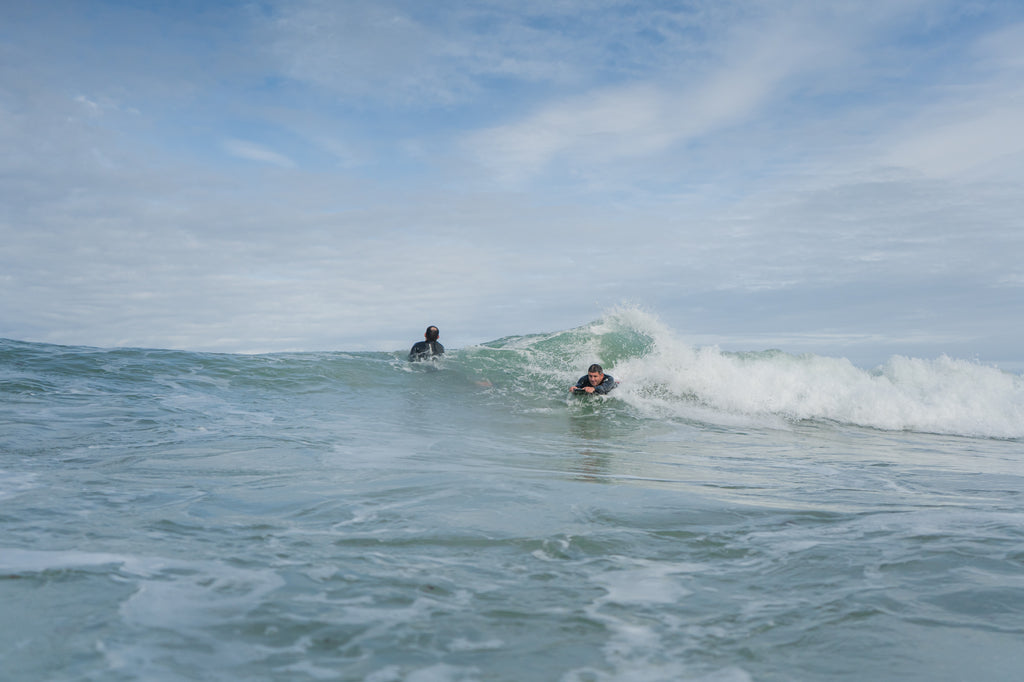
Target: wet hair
point(432, 333)
point(595, 368)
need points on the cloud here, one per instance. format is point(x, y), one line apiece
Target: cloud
point(979, 141)
point(999, 50)
point(971, 127)
point(251, 151)
point(400, 54)
point(617, 122)
point(748, 75)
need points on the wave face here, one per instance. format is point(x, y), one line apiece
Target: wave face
point(661, 377)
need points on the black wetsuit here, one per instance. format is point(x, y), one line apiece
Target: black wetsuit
point(425, 350)
point(607, 384)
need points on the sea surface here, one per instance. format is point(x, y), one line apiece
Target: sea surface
point(722, 517)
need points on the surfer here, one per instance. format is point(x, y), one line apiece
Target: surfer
point(429, 348)
point(595, 381)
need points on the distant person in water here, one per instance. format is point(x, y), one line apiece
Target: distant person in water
point(428, 348)
point(595, 381)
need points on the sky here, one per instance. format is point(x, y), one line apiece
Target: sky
point(828, 176)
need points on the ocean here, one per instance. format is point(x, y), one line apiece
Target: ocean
point(720, 516)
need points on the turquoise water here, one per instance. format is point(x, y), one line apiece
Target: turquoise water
point(168, 515)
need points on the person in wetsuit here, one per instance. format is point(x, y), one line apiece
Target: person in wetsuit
point(427, 349)
point(595, 381)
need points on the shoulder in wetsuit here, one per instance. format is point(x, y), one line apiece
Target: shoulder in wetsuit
point(607, 384)
point(425, 350)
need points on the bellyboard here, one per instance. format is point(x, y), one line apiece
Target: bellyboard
point(584, 394)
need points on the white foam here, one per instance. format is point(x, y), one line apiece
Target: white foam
point(462, 644)
point(12, 484)
point(390, 673)
point(16, 560)
point(442, 672)
point(943, 395)
point(644, 584)
point(635, 647)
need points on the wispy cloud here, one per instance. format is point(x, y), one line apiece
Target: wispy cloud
point(970, 125)
point(744, 75)
point(251, 151)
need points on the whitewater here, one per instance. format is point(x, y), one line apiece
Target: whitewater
point(719, 517)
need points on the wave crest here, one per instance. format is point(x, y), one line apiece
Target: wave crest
point(663, 376)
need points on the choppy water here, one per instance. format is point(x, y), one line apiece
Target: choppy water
point(167, 515)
